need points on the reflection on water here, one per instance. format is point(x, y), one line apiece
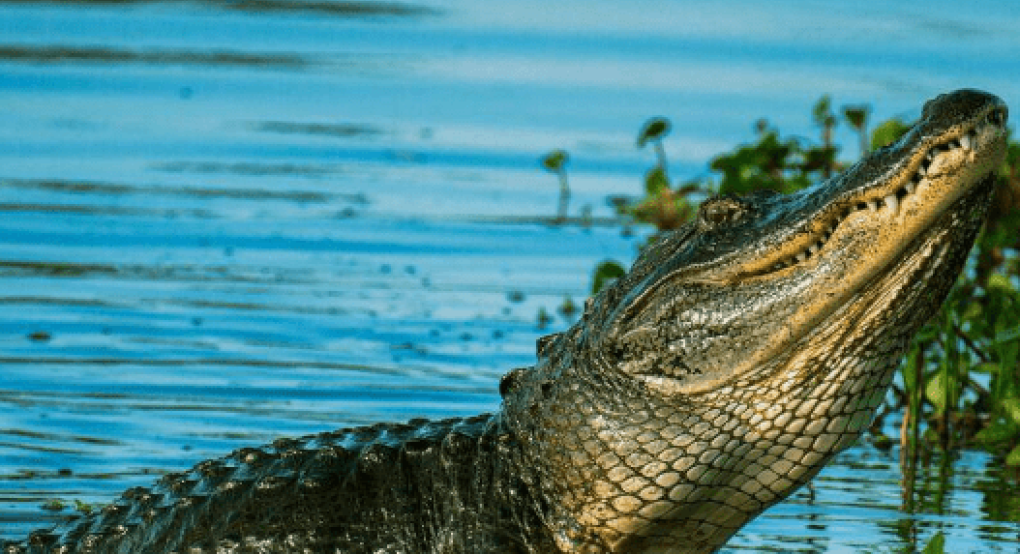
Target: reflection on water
point(335, 130)
point(224, 222)
point(252, 169)
point(80, 55)
point(342, 9)
point(271, 7)
point(84, 187)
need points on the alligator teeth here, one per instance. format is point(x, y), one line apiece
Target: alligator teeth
point(893, 203)
point(967, 142)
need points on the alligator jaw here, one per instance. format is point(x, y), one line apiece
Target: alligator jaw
point(938, 173)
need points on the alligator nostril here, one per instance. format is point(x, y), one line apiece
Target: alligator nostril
point(511, 380)
point(546, 388)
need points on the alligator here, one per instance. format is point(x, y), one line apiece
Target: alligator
point(739, 354)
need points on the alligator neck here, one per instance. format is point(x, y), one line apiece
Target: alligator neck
point(743, 351)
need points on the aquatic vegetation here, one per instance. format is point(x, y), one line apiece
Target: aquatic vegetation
point(555, 162)
point(652, 132)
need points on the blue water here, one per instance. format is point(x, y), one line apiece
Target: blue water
point(220, 226)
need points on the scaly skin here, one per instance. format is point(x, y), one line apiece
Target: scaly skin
point(735, 359)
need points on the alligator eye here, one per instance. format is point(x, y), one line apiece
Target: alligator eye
point(719, 210)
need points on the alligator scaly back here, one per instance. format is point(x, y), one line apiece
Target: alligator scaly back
point(427, 486)
point(738, 355)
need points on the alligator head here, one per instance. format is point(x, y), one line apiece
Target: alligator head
point(744, 350)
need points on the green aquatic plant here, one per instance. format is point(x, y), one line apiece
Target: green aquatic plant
point(652, 132)
point(826, 120)
point(555, 162)
point(937, 544)
point(568, 309)
point(605, 274)
point(543, 319)
point(82, 507)
point(886, 133)
point(857, 117)
point(53, 505)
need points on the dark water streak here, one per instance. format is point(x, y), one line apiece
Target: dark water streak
point(271, 7)
point(95, 55)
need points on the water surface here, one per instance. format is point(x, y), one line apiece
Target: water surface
point(224, 222)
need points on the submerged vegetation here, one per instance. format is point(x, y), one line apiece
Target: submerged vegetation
point(959, 386)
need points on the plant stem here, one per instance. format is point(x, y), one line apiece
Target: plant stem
point(564, 196)
point(660, 153)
